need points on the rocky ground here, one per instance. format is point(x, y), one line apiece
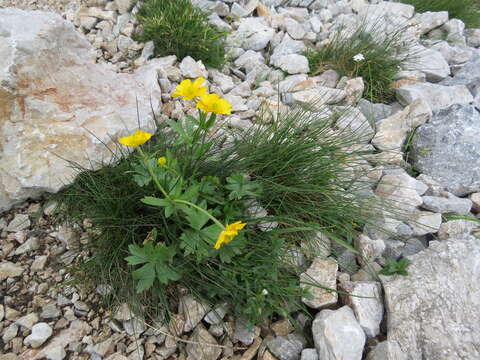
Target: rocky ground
point(430, 314)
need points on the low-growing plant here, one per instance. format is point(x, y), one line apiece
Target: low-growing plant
point(179, 28)
point(466, 10)
point(219, 214)
point(395, 267)
point(368, 51)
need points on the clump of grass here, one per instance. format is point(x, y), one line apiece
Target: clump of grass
point(383, 53)
point(466, 10)
point(179, 28)
point(311, 176)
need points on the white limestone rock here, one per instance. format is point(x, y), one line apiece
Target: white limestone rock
point(58, 102)
point(437, 96)
point(324, 273)
point(367, 304)
point(338, 335)
point(433, 312)
point(392, 131)
point(40, 333)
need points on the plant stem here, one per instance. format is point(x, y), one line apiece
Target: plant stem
point(213, 218)
point(152, 174)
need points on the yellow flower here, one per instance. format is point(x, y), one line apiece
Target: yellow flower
point(162, 161)
point(138, 138)
point(189, 90)
point(230, 232)
point(215, 104)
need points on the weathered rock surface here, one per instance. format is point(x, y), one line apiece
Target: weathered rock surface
point(337, 335)
point(323, 273)
point(433, 312)
point(448, 149)
point(392, 131)
point(57, 105)
point(387, 350)
point(202, 350)
point(367, 304)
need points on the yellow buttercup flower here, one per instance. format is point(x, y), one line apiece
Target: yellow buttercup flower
point(138, 138)
point(214, 104)
point(162, 161)
point(190, 90)
point(230, 232)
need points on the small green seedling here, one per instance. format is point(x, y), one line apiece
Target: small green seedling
point(393, 267)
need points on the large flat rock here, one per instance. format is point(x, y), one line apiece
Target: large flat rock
point(58, 105)
point(448, 149)
point(433, 312)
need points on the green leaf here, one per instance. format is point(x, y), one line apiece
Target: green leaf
point(145, 276)
point(165, 274)
point(240, 186)
point(196, 219)
point(155, 260)
point(395, 267)
point(150, 200)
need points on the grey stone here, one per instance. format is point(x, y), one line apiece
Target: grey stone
point(367, 304)
point(192, 69)
point(73, 334)
point(451, 203)
point(456, 229)
point(309, 354)
point(428, 21)
point(287, 347)
point(100, 348)
point(324, 273)
point(387, 350)
point(134, 327)
point(243, 332)
point(124, 5)
point(430, 62)
point(30, 245)
point(433, 312)
point(19, 222)
point(27, 321)
point(373, 111)
point(40, 333)
point(252, 34)
point(50, 311)
point(401, 190)
point(391, 132)
point(454, 29)
point(56, 353)
point(9, 270)
point(293, 64)
point(424, 222)
point(294, 29)
point(9, 333)
point(473, 37)
point(250, 60)
point(469, 76)
point(201, 350)
point(448, 150)
point(369, 250)
point(337, 335)
point(317, 96)
point(78, 116)
point(475, 199)
point(287, 46)
point(437, 96)
point(454, 54)
point(215, 20)
point(216, 315)
point(193, 311)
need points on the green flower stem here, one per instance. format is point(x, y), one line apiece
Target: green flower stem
point(213, 218)
point(152, 174)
